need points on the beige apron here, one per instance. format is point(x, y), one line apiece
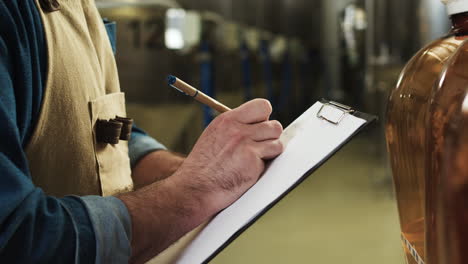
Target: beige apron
point(82, 86)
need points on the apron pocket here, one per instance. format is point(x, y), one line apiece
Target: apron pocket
point(113, 163)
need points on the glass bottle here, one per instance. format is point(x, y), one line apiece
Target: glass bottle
point(406, 128)
point(446, 101)
point(452, 197)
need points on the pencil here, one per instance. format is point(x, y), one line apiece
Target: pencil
point(189, 90)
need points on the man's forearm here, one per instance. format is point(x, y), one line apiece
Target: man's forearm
point(154, 167)
point(161, 214)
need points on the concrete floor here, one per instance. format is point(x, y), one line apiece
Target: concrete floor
point(343, 213)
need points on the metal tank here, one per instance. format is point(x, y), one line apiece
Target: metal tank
point(152, 42)
point(232, 50)
point(143, 59)
point(433, 21)
point(263, 20)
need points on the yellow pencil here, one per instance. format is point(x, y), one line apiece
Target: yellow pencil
point(189, 90)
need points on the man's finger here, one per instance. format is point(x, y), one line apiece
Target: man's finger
point(269, 149)
point(265, 130)
point(252, 112)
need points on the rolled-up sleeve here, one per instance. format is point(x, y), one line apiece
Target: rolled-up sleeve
point(36, 228)
point(112, 228)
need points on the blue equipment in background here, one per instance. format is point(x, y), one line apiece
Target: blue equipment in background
point(207, 81)
point(267, 71)
point(246, 71)
point(306, 69)
point(287, 83)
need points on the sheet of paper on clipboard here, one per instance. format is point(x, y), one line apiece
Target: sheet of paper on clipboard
point(309, 141)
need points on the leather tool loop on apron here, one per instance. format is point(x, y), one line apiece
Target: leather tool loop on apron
point(49, 5)
point(126, 128)
point(108, 131)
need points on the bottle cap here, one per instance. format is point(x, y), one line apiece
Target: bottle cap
point(456, 6)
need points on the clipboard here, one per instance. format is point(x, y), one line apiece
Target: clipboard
point(333, 120)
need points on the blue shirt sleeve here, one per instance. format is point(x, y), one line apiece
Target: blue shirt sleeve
point(141, 145)
point(112, 228)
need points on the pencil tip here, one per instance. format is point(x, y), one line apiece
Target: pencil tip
point(171, 79)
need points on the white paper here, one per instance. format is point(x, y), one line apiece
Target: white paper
point(308, 141)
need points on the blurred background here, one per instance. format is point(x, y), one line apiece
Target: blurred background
point(292, 52)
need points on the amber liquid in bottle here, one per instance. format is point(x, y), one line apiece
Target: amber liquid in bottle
point(406, 128)
point(452, 195)
point(446, 101)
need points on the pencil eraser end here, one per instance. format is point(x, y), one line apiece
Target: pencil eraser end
point(171, 79)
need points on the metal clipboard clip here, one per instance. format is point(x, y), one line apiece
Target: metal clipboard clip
point(341, 107)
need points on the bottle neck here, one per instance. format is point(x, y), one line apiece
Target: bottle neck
point(460, 24)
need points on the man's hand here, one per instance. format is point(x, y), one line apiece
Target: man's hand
point(227, 160)
point(229, 156)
